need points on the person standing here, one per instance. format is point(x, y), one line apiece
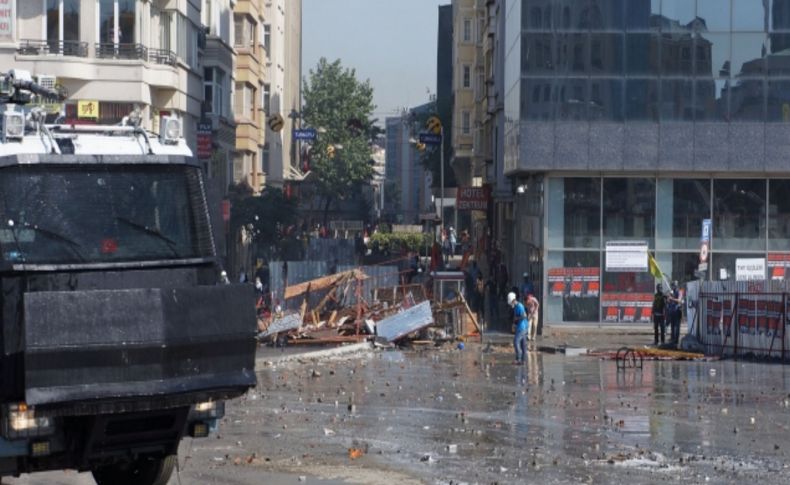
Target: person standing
point(674, 311)
point(479, 298)
point(659, 315)
point(527, 288)
point(453, 240)
point(493, 301)
point(521, 324)
point(533, 307)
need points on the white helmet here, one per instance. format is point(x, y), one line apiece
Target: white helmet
point(511, 297)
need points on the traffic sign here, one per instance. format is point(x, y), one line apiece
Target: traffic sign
point(306, 134)
point(434, 125)
point(430, 139)
point(276, 122)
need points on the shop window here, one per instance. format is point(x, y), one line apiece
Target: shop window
point(575, 212)
point(629, 209)
point(779, 215)
point(573, 286)
point(739, 214)
point(682, 205)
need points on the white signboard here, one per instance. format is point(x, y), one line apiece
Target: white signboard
point(7, 20)
point(749, 269)
point(626, 256)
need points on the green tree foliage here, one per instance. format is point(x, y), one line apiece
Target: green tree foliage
point(267, 216)
point(335, 101)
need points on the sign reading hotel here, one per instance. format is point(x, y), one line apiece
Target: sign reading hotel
point(473, 198)
point(7, 19)
point(626, 256)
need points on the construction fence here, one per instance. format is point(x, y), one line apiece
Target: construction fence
point(744, 318)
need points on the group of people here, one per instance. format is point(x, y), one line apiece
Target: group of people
point(667, 310)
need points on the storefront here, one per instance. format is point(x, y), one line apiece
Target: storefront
point(750, 219)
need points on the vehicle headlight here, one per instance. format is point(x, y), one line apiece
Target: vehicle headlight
point(208, 410)
point(13, 125)
point(20, 421)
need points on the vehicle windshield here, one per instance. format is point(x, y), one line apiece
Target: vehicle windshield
point(53, 214)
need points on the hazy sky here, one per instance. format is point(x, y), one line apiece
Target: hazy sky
point(390, 42)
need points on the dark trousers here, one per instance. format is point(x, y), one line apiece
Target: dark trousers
point(674, 321)
point(659, 324)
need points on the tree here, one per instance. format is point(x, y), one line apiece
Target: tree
point(268, 217)
point(340, 107)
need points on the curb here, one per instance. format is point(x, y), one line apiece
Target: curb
point(262, 363)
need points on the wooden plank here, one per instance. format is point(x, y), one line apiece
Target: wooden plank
point(323, 283)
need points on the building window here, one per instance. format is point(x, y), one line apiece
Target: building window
point(120, 28)
point(245, 101)
point(467, 30)
point(214, 91)
point(266, 98)
point(267, 38)
point(739, 208)
point(62, 22)
point(244, 30)
point(186, 35)
point(466, 122)
point(467, 77)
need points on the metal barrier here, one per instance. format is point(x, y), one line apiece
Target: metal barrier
point(735, 323)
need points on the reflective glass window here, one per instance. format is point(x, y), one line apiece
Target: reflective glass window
point(629, 209)
point(677, 54)
point(606, 54)
point(780, 15)
point(534, 13)
point(573, 16)
point(747, 100)
point(779, 215)
point(712, 55)
point(739, 214)
point(537, 51)
point(750, 15)
point(572, 99)
point(641, 54)
point(582, 212)
point(677, 100)
point(606, 99)
point(777, 64)
point(711, 100)
point(71, 20)
point(607, 15)
point(714, 15)
point(536, 106)
point(572, 52)
point(682, 205)
point(638, 14)
point(778, 102)
point(641, 100)
point(748, 51)
point(677, 14)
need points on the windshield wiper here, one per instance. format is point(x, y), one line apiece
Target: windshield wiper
point(153, 232)
point(70, 243)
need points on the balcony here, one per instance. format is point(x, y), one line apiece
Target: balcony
point(70, 48)
point(133, 52)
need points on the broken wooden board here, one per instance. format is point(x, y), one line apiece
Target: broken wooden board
point(323, 283)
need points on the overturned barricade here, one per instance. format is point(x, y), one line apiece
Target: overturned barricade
point(744, 318)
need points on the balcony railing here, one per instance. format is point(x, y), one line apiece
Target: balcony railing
point(72, 48)
point(135, 52)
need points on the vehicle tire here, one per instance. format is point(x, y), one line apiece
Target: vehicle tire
point(143, 471)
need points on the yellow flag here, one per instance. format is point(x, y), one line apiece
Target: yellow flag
point(653, 267)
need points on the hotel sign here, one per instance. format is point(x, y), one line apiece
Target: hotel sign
point(473, 198)
point(7, 19)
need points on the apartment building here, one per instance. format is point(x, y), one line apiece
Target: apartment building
point(112, 55)
point(268, 73)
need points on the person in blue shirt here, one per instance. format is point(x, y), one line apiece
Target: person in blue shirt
point(521, 324)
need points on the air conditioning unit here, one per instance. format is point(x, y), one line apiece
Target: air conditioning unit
point(47, 81)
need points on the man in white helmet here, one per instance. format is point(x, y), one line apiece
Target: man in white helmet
point(521, 324)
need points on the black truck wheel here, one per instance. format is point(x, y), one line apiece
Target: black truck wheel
point(143, 471)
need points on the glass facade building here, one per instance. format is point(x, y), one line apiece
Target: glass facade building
point(634, 120)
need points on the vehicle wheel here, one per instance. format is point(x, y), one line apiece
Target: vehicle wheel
point(143, 471)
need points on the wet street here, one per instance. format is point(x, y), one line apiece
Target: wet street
point(470, 417)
